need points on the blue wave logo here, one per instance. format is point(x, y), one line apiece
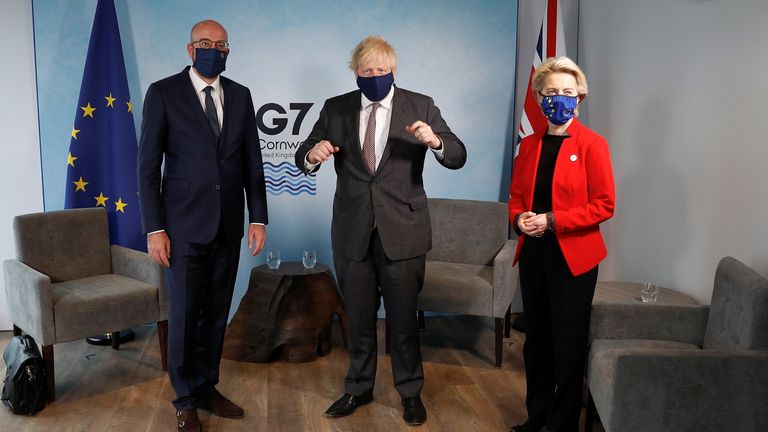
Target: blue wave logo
point(286, 178)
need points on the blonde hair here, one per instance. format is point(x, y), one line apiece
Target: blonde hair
point(563, 65)
point(371, 47)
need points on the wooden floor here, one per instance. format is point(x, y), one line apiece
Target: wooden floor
point(99, 389)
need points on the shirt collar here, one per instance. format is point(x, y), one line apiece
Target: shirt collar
point(385, 103)
point(199, 84)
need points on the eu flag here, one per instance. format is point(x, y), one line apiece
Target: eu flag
point(101, 169)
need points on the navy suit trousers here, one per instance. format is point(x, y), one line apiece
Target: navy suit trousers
point(200, 284)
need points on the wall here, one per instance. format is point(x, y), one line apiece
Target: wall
point(21, 187)
point(678, 89)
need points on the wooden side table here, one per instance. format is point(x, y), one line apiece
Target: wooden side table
point(285, 314)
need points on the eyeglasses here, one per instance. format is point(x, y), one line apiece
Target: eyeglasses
point(207, 43)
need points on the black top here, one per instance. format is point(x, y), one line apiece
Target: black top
point(542, 191)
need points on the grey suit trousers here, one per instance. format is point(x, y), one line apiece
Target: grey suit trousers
point(363, 283)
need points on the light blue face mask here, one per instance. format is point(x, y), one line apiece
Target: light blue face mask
point(559, 109)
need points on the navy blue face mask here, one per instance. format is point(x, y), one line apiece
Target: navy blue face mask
point(376, 88)
point(559, 109)
point(210, 62)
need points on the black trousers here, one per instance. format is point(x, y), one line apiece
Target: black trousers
point(200, 284)
point(557, 308)
point(362, 284)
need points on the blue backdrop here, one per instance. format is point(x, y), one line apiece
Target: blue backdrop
point(293, 55)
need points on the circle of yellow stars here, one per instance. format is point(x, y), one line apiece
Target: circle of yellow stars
point(80, 184)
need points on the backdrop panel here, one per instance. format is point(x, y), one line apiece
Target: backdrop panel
point(293, 55)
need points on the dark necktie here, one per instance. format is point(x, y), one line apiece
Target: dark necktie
point(369, 142)
point(210, 111)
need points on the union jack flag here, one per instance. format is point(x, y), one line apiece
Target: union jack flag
point(551, 43)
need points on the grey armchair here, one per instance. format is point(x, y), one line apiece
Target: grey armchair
point(684, 368)
point(469, 269)
point(68, 283)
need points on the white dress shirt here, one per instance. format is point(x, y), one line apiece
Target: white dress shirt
point(216, 94)
point(383, 121)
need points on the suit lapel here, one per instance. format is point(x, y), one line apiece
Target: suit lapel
point(397, 124)
point(352, 128)
point(229, 100)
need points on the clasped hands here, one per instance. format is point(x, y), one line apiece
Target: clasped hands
point(323, 150)
point(532, 224)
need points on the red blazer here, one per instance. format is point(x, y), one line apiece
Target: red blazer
point(583, 193)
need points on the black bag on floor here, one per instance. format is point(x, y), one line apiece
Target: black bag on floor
point(25, 390)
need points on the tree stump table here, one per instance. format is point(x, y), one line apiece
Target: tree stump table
point(285, 314)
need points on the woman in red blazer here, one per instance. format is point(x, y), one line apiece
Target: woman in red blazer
point(562, 188)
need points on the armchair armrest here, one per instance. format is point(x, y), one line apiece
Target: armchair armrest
point(30, 301)
point(687, 389)
point(138, 265)
point(505, 281)
point(645, 321)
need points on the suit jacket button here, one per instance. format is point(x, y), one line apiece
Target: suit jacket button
point(218, 187)
point(221, 161)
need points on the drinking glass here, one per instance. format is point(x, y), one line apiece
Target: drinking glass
point(273, 259)
point(649, 292)
point(308, 258)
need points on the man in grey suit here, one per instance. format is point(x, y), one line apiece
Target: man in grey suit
point(379, 137)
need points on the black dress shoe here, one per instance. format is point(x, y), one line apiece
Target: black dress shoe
point(347, 404)
point(414, 412)
point(526, 427)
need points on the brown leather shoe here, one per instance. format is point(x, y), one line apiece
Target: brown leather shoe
point(220, 405)
point(187, 421)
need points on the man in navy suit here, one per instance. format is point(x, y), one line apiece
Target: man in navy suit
point(379, 137)
point(200, 129)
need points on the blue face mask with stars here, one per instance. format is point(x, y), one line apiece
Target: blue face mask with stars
point(559, 109)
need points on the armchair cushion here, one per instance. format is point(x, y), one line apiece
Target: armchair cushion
point(445, 288)
point(91, 305)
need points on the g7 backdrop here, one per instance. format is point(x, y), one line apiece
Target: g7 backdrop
point(293, 55)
